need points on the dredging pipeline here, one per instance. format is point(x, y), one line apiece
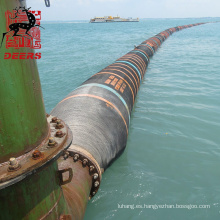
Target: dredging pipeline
point(98, 112)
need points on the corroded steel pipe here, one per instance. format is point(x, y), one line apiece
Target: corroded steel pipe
point(38, 196)
point(77, 191)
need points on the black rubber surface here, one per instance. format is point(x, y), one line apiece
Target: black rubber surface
point(98, 112)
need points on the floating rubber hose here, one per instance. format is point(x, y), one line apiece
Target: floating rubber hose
point(98, 112)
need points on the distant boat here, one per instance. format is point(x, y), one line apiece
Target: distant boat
point(110, 19)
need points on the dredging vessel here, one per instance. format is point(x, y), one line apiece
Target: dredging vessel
point(109, 19)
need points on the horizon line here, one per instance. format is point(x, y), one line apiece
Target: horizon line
point(139, 18)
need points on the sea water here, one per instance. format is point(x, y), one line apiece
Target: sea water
point(170, 168)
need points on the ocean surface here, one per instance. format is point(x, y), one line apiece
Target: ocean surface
point(171, 164)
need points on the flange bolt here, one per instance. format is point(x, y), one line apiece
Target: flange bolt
point(59, 134)
point(37, 155)
point(76, 157)
point(91, 168)
point(59, 124)
point(85, 161)
point(13, 164)
point(96, 184)
point(66, 155)
point(54, 120)
point(51, 142)
point(95, 176)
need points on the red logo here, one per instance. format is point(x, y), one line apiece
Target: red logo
point(22, 31)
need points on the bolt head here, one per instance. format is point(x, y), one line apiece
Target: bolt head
point(96, 184)
point(66, 155)
point(37, 155)
point(85, 161)
point(95, 176)
point(76, 157)
point(54, 120)
point(13, 164)
point(51, 142)
point(91, 168)
point(65, 217)
point(59, 124)
point(13, 161)
point(59, 134)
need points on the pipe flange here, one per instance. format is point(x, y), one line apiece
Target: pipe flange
point(49, 150)
point(87, 160)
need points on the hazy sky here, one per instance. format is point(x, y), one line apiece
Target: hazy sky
point(86, 9)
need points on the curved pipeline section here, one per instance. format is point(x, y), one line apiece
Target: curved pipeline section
point(98, 111)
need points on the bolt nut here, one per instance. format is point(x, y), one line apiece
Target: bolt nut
point(95, 176)
point(37, 155)
point(91, 168)
point(59, 124)
point(13, 161)
point(85, 161)
point(60, 134)
point(13, 164)
point(51, 142)
point(96, 184)
point(65, 217)
point(76, 157)
point(66, 155)
point(54, 120)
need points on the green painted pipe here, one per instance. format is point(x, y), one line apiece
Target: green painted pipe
point(23, 122)
point(23, 126)
point(38, 196)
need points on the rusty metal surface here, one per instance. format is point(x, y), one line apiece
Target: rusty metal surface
point(38, 196)
point(40, 156)
point(65, 217)
point(76, 192)
point(67, 180)
point(87, 160)
point(52, 209)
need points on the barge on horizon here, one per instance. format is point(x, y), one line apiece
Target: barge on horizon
point(110, 19)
